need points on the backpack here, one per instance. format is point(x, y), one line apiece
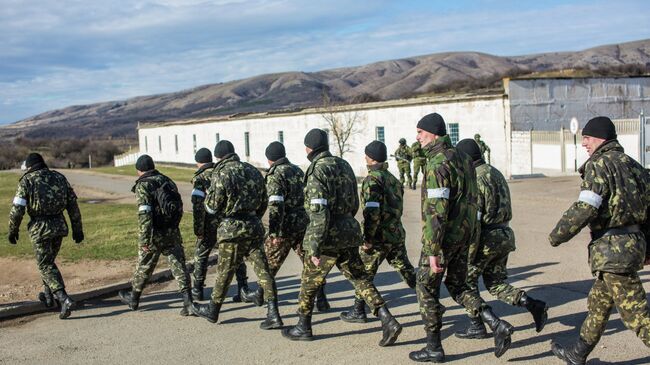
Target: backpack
point(169, 206)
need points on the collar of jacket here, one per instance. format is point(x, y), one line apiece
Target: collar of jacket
point(282, 161)
point(611, 145)
point(478, 162)
point(378, 166)
point(208, 165)
point(144, 176)
point(34, 168)
point(441, 144)
point(227, 158)
point(316, 153)
point(315, 159)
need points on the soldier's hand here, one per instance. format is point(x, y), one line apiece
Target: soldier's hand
point(13, 237)
point(315, 260)
point(78, 237)
point(434, 262)
point(367, 246)
point(145, 248)
point(275, 241)
point(553, 242)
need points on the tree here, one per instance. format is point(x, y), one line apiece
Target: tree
point(342, 124)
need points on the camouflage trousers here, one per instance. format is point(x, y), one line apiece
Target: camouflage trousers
point(397, 258)
point(204, 247)
point(626, 293)
point(348, 261)
point(404, 169)
point(231, 254)
point(45, 252)
point(147, 261)
point(418, 166)
point(276, 254)
point(428, 288)
point(494, 270)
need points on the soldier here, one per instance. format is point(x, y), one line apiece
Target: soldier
point(449, 213)
point(488, 255)
point(287, 217)
point(403, 157)
point(383, 233)
point(160, 209)
point(237, 197)
point(419, 162)
point(333, 237)
point(205, 229)
point(483, 146)
point(614, 202)
point(45, 194)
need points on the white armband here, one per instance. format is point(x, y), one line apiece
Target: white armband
point(591, 198)
point(207, 209)
point(144, 208)
point(319, 201)
point(439, 193)
point(276, 198)
point(372, 205)
point(20, 201)
point(197, 192)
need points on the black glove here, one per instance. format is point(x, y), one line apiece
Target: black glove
point(13, 237)
point(78, 237)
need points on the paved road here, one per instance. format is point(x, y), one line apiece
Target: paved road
point(106, 332)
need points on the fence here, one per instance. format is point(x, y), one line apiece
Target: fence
point(126, 158)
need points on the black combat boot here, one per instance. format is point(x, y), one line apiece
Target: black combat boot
point(130, 298)
point(574, 355)
point(411, 282)
point(46, 297)
point(208, 311)
point(501, 330)
point(273, 320)
point(256, 296)
point(322, 305)
point(197, 290)
point(67, 304)
point(243, 293)
point(476, 330)
point(301, 331)
point(432, 352)
point(187, 303)
point(357, 314)
point(537, 308)
point(389, 326)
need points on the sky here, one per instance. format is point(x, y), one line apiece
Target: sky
point(57, 53)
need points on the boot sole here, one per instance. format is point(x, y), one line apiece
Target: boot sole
point(506, 343)
point(392, 339)
point(472, 337)
point(272, 327)
point(296, 338)
point(436, 360)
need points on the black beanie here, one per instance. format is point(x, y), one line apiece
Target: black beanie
point(433, 123)
point(223, 148)
point(275, 151)
point(377, 151)
point(33, 159)
point(203, 155)
point(316, 139)
point(144, 163)
point(600, 127)
point(470, 147)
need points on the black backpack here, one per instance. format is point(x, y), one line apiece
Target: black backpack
point(169, 206)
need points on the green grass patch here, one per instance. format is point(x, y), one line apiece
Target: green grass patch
point(178, 174)
point(111, 230)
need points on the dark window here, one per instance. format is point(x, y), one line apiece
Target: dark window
point(176, 142)
point(146, 144)
point(247, 143)
point(453, 133)
point(194, 142)
point(281, 137)
point(379, 134)
point(159, 144)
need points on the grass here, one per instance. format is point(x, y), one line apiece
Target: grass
point(111, 230)
point(178, 174)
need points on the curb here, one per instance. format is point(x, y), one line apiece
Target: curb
point(20, 309)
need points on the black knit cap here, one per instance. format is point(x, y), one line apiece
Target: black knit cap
point(144, 163)
point(470, 147)
point(223, 148)
point(377, 151)
point(433, 123)
point(203, 155)
point(33, 158)
point(316, 139)
point(275, 151)
point(600, 127)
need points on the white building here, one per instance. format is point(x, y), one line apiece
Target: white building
point(519, 125)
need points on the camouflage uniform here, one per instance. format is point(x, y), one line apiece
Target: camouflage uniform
point(614, 202)
point(403, 157)
point(483, 146)
point(419, 161)
point(44, 194)
point(237, 198)
point(155, 241)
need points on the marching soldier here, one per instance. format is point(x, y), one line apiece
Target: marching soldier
point(614, 201)
point(160, 210)
point(483, 146)
point(403, 157)
point(44, 194)
point(333, 238)
point(419, 162)
point(489, 252)
point(383, 233)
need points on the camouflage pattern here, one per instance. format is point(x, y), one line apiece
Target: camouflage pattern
point(419, 161)
point(153, 241)
point(449, 214)
point(277, 253)
point(483, 147)
point(44, 194)
point(403, 157)
point(237, 198)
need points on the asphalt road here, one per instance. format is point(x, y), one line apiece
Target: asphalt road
point(105, 331)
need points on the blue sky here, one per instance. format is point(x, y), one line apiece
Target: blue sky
point(68, 52)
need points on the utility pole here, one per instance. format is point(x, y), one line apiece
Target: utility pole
point(90, 161)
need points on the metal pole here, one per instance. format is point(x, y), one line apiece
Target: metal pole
point(90, 161)
point(562, 150)
point(642, 141)
point(575, 154)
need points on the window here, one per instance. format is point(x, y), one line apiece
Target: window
point(379, 134)
point(159, 144)
point(217, 138)
point(281, 137)
point(146, 144)
point(176, 142)
point(453, 133)
point(194, 142)
point(247, 144)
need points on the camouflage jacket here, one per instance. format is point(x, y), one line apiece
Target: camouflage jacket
point(483, 147)
point(417, 152)
point(449, 194)
point(331, 201)
point(200, 184)
point(381, 198)
point(403, 155)
point(285, 187)
point(614, 193)
point(45, 194)
point(237, 197)
point(145, 189)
